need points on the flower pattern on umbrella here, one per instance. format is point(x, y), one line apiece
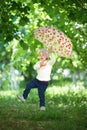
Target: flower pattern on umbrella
point(51, 36)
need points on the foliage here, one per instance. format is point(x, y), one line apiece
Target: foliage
point(18, 20)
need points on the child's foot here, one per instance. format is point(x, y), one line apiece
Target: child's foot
point(21, 98)
point(42, 108)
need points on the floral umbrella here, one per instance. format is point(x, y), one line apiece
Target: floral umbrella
point(51, 36)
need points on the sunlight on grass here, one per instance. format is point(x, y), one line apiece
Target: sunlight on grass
point(52, 91)
point(64, 90)
point(8, 93)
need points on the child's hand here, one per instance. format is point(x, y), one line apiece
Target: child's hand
point(42, 63)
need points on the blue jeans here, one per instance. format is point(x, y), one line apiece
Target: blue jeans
point(41, 86)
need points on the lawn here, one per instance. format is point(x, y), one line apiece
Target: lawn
point(66, 109)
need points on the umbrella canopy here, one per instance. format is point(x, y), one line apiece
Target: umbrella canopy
point(51, 36)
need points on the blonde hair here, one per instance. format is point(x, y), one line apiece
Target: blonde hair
point(45, 52)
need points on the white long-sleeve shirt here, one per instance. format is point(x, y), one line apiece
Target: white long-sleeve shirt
point(44, 72)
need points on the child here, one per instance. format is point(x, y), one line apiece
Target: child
point(43, 68)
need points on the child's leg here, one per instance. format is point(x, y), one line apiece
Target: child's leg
point(41, 91)
point(29, 86)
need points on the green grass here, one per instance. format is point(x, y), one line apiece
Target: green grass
point(66, 109)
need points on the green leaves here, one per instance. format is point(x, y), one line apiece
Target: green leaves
point(19, 19)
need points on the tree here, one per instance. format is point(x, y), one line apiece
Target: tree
point(19, 18)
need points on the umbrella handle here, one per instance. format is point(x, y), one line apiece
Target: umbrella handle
point(50, 50)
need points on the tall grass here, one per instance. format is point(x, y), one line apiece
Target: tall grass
point(66, 109)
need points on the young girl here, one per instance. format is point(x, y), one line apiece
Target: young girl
point(43, 68)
